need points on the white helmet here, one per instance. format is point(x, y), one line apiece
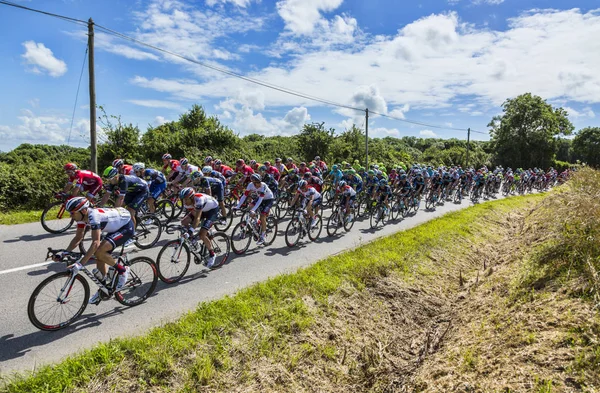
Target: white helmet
point(139, 166)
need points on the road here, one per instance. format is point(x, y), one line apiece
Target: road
point(23, 248)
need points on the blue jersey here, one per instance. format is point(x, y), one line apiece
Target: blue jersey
point(154, 176)
point(337, 175)
point(219, 176)
point(210, 182)
point(131, 184)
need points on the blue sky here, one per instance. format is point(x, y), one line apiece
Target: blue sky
point(445, 62)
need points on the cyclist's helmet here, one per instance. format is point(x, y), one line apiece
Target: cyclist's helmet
point(252, 162)
point(111, 173)
point(303, 164)
point(341, 183)
point(139, 166)
point(370, 172)
point(70, 167)
point(167, 156)
point(293, 171)
point(307, 175)
point(278, 160)
point(289, 159)
point(267, 163)
point(240, 162)
point(317, 158)
point(186, 192)
point(196, 175)
point(218, 162)
point(208, 160)
point(107, 171)
point(206, 170)
point(316, 171)
point(77, 204)
point(262, 168)
point(183, 161)
point(334, 168)
point(118, 163)
point(255, 177)
point(302, 183)
point(383, 182)
point(403, 177)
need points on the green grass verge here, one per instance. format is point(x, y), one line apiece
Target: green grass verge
point(197, 344)
point(20, 217)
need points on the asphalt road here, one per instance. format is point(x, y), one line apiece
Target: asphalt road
point(22, 247)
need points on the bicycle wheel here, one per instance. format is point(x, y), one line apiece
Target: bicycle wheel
point(404, 209)
point(429, 202)
point(315, 230)
point(395, 213)
point(227, 221)
point(55, 219)
point(271, 233)
point(293, 232)
point(375, 217)
point(140, 283)
point(416, 204)
point(240, 238)
point(349, 220)
point(363, 207)
point(148, 231)
point(173, 261)
point(220, 243)
point(165, 209)
point(333, 223)
point(47, 312)
point(178, 208)
point(282, 205)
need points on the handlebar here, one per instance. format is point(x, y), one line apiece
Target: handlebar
point(68, 256)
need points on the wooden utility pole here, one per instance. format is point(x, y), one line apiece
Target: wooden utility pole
point(468, 146)
point(93, 143)
point(367, 138)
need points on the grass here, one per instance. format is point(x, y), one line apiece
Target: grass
point(258, 322)
point(20, 217)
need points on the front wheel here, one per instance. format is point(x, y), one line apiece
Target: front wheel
point(55, 219)
point(293, 232)
point(165, 209)
point(271, 233)
point(333, 223)
point(148, 231)
point(54, 304)
point(315, 230)
point(240, 238)
point(173, 261)
point(140, 283)
point(221, 248)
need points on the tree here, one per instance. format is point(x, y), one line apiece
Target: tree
point(122, 140)
point(315, 140)
point(525, 135)
point(586, 146)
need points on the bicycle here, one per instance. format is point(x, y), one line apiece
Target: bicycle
point(338, 218)
point(54, 219)
point(431, 200)
point(179, 251)
point(67, 293)
point(378, 215)
point(300, 226)
point(249, 228)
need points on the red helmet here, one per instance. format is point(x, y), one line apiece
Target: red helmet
point(267, 164)
point(118, 163)
point(70, 167)
point(240, 162)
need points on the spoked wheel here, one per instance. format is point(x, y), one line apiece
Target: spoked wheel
point(376, 217)
point(271, 233)
point(315, 230)
point(349, 220)
point(416, 204)
point(148, 231)
point(140, 283)
point(220, 244)
point(55, 219)
point(240, 238)
point(293, 232)
point(282, 206)
point(165, 209)
point(333, 223)
point(404, 209)
point(395, 213)
point(53, 305)
point(429, 203)
point(362, 207)
point(224, 223)
point(173, 261)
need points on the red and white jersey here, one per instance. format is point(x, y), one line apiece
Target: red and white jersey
point(273, 171)
point(225, 170)
point(322, 165)
point(173, 165)
point(280, 167)
point(347, 191)
point(127, 170)
point(85, 180)
point(303, 170)
point(203, 202)
point(245, 170)
point(263, 191)
point(310, 191)
point(105, 219)
point(189, 169)
point(291, 166)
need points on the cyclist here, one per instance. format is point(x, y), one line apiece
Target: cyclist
point(173, 165)
point(335, 175)
point(269, 180)
point(314, 181)
point(157, 183)
point(383, 191)
point(131, 190)
point(254, 165)
point(404, 188)
point(263, 204)
point(302, 169)
point(124, 169)
point(272, 170)
point(354, 180)
point(213, 186)
point(348, 196)
point(245, 171)
point(80, 180)
point(322, 165)
point(280, 167)
point(418, 184)
point(185, 171)
point(119, 228)
point(198, 205)
point(224, 170)
point(312, 198)
point(290, 164)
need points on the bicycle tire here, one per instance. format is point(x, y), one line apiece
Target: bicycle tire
point(315, 231)
point(221, 247)
point(293, 232)
point(332, 223)
point(271, 233)
point(166, 209)
point(374, 218)
point(173, 260)
point(145, 231)
point(395, 213)
point(348, 224)
point(63, 223)
point(241, 236)
point(138, 288)
point(35, 319)
point(228, 221)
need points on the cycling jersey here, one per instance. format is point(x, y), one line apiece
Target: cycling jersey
point(206, 182)
point(245, 170)
point(263, 191)
point(131, 185)
point(303, 170)
point(86, 181)
point(271, 170)
point(322, 166)
point(337, 175)
point(271, 182)
point(105, 219)
point(290, 166)
point(189, 169)
point(225, 171)
point(281, 168)
point(203, 203)
point(173, 165)
point(154, 176)
point(310, 192)
point(127, 170)
point(386, 190)
point(347, 191)
point(316, 182)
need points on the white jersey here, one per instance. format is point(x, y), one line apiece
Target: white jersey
point(107, 220)
point(263, 191)
point(203, 202)
point(190, 169)
point(310, 192)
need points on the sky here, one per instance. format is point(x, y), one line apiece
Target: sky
point(446, 63)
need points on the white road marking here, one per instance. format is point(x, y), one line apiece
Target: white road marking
point(16, 269)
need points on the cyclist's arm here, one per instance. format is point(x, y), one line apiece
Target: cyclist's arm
point(78, 238)
point(196, 221)
point(119, 201)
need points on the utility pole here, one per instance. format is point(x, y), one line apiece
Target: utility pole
point(93, 147)
point(367, 138)
point(468, 145)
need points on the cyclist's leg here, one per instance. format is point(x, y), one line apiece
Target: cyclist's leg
point(209, 218)
point(112, 241)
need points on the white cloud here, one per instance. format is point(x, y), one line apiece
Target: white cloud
point(157, 104)
point(41, 59)
point(382, 132)
point(239, 3)
point(585, 112)
point(159, 120)
point(399, 112)
point(300, 16)
point(428, 133)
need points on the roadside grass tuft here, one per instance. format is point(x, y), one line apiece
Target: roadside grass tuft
point(20, 217)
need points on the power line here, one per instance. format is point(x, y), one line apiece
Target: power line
point(77, 94)
point(78, 21)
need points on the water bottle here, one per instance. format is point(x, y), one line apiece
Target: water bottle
point(98, 275)
point(110, 275)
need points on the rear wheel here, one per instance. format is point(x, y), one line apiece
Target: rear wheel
point(165, 209)
point(315, 230)
point(221, 248)
point(140, 283)
point(173, 261)
point(55, 219)
point(271, 233)
point(226, 221)
point(375, 218)
point(349, 220)
point(240, 238)
point(148, 231)
point(333, 223)
point(293, 232)
point(49, 309)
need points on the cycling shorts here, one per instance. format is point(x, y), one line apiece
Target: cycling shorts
point(136, 199)
point(345, 199)
point(317, 202)
point(265, 206)
point(218, 191)
point(92, 189)
point(156, 189)
point(118, 238)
